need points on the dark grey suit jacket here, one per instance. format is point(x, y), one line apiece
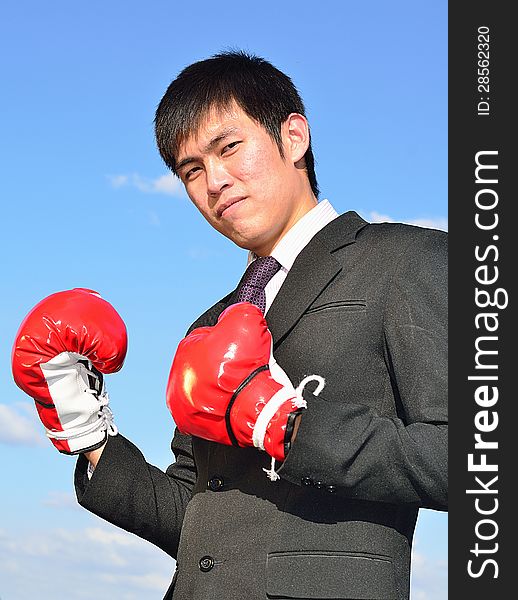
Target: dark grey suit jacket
point(364, 306)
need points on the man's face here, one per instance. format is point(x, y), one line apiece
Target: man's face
point(234, 174)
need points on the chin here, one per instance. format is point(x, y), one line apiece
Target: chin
point(255, 242)
point(245, 244)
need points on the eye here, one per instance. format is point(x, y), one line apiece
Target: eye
point(230, 146)
point(191, 172)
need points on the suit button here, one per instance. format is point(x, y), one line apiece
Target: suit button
point(206, 563)
point(331, 489)
point(319, 485)
point(215, 483)
point(307, 481)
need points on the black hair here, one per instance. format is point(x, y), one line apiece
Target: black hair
point(265, 94)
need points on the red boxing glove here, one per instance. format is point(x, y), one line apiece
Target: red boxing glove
point(225, 385)
point(61, 348)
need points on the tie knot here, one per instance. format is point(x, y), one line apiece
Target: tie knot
point(256, 277)
point(260, 271)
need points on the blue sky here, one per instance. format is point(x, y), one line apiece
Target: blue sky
point(87, 202)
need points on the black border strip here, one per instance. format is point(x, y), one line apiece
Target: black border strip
point(481, 119)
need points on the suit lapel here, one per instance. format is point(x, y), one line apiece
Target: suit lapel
point(313, 270)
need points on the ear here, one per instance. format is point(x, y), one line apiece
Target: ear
point(295, 137)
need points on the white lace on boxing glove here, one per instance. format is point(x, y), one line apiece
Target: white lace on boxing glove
point(80, 402)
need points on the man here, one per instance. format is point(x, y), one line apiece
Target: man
point(359, 308)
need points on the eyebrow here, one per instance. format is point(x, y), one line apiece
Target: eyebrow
point(228, 131)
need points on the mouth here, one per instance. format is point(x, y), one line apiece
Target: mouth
point(227, 204)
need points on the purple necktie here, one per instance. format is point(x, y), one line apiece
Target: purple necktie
point(257, 275)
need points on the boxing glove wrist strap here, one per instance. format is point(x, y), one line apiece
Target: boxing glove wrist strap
point(243, 384)
point(273, 405)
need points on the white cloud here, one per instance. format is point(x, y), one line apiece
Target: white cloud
point(118, 181)
point(202, 253)
point(19, 425)
point(61, 500)
point(433, 223)
point(165, 184)
point(101, 535)
point(94, 562)
point(429, 578)
point(152, 581)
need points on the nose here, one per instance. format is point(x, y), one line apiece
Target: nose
point(218, 178)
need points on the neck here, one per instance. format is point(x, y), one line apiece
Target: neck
point(306, 204)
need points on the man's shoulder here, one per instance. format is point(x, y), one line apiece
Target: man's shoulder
point(402, 237)
point(403, 249)
point(350, 227)
point(405, 230)
point(380, 245)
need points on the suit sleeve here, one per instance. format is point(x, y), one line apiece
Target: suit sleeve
point(136, 496)
point(347, 446)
